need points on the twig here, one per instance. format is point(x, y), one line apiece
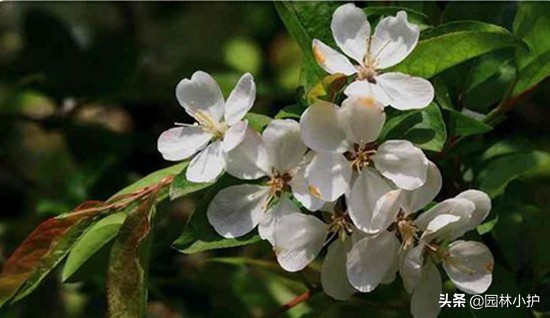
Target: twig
point(294, 302)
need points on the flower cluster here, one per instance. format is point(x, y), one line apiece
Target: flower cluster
point(369, 202)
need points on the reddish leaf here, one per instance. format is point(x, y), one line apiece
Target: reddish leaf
point(128, 262)
point(42, 250)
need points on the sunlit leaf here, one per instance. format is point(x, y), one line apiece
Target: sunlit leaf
point(91, 242)
point(467, 39)
point(257, 121)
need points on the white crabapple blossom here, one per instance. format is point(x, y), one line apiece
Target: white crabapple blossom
point(219, 126)
point(468, 264)
point(277, 154)
point(393, 39)
point(344, 141)
point(382, 211)
point(300, 237)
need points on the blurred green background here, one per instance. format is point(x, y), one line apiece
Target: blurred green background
point(85, 90)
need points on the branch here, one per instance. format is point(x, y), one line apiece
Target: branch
point(294, 302)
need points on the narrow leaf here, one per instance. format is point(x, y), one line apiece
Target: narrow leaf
point(42, 250)
point(128, 264)
point(91, 242)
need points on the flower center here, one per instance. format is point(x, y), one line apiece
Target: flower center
point(210, 125)
point(367, 72)
point(360, 156)
point(441, 255)
point(279, 182)
point(406, 230)
point(340, 225)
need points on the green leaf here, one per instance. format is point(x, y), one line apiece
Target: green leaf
point(92, 241)
point(306, 21)
point(425, 127)
point(292, 111)
point(128, 264)
point(199, 235)
point(257, 121)
point(532, 24)
point(181, 186)
point(461, 125)
point(154, 178)
point(467, 39)
point(502, 170)
point(42, 250)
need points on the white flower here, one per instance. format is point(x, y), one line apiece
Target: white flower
point(219, 128)
point(378, 208)
point(468, 264)
point(277, 154)
point(393, 39)
point(344, 141)
point(299, 239)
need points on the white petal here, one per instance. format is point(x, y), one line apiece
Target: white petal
point(283, 142)
point(471, 266)
point(425, 299)
point(201, 93)
point(320, 128)
point(366, 89)
point(270, 221)
point(298, 240)
point(483, 206)
point(461, 208)
point(237, 210)
point(393, 39)
point(404, 91)
point(334, 278)
point(370, 259)
point(182, 142)
point(331, 60)
point(207, 165)
point(402, 162)
point(372, 204)
point(410, 267)
point(249, 160)
point(413, 201)
point(303, 193)
point(351, 30)
point(439, 227)
point(328, 175)
point(362, 119)
point(240, 100)
point(234, 135)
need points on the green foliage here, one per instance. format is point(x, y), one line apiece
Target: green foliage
point(467, 39)
point(99, 234)
point(425, 127)
point(532, 23)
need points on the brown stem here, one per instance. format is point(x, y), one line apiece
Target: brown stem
point(293, 303)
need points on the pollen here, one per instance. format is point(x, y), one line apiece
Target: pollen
point(319, 56)
point(314, 191)
point(490, 266)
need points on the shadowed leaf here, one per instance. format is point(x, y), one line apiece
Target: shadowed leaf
point(128, 263)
